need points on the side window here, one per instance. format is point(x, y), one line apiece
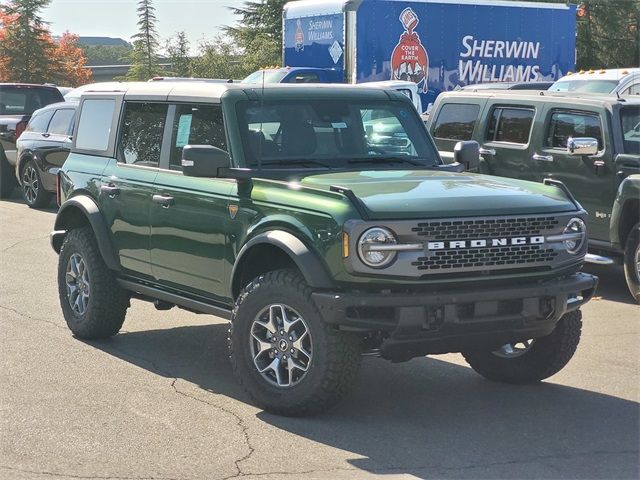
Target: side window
point(573, 124)
point(94, 127)
point(61, 122)
point(632, 90)
point(456, 121)
point(142, 130)
point(196, 125)
point(510, 125)
point(39, 122)
point(304, 77)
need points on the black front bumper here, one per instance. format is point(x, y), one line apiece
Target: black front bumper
point(418, 323)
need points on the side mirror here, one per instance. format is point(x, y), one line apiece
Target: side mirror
point(468, 154)
point(582, 146)
point(203, 160)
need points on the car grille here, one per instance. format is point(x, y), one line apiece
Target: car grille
point(485, 228)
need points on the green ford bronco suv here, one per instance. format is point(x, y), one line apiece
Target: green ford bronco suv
point(287, 210)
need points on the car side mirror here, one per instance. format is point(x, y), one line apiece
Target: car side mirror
point(468, 154)
point(582, 146)
point(203, 160)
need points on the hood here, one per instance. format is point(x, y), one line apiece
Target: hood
point(406, 194)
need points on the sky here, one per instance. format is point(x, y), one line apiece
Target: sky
point(200, 19)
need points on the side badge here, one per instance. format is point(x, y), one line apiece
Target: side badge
point(233, 211)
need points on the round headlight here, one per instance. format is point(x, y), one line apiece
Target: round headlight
point(577, 228)
point(368, 247)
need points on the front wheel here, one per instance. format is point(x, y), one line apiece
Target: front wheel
point(33, 191)
point(283, 353)
point(532, 360)
point(632, 262)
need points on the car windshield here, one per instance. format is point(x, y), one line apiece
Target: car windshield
point(630, 120)
point(266, 76)
point(24, 100)
point(333, 134)
point(586, 86)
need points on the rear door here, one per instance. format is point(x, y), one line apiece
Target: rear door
point(55, 150)
point(454, 121)
point(591, 179)
point(189, 215)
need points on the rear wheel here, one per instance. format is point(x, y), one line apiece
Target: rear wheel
point(7, 177)
point(632, 262)
point(532, 360)
point(33, 191)
point(284, 354)
point(93, 304)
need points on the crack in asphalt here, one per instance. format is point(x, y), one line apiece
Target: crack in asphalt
point(26, 240)
point(89, 477)
point(35, 319)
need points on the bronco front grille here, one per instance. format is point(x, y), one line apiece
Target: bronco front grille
point(485, 228)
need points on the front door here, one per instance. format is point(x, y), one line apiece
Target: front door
point(127, 184)
point(190, 216)
point(591, 179)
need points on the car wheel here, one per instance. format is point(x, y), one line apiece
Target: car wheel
point(93, 304)
point(7, 177)
point(632, 262)
point(33, 191)
point(286, 357)
point(532, 360)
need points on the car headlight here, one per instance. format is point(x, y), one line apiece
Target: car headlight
point(578, 231)
point(371, 247)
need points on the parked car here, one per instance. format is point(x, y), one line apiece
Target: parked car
point(18, 101)
point(618, 81)
point(508, 86)
point(591, 143)
point(42, 150)
point(315, 243)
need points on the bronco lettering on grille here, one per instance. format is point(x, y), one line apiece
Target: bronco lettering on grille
point(480, 243)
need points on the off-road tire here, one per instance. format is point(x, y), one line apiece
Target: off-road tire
point(7, 177)
point(42, 198)
point(630, 269)
point(336, 354)
point(108, 302)
point(547, 356)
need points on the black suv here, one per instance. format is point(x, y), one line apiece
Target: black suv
point(18, 101)
point(42, 149)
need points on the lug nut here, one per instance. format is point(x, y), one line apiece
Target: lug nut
point(292, 350)
point(291, 338)
point(281, 332)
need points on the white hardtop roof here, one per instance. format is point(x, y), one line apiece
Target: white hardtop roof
point(575, 98)
point(610, 74)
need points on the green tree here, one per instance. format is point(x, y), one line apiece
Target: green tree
point(107, 54)
point(219, 58)
point(144, 58)
point(178, 53)
point(26, 47)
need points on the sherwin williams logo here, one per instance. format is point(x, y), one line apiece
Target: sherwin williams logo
point(493, 242)
point(299, 40)
point(409, 60)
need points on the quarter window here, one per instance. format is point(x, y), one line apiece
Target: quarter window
point(456, 121)
point(510, 125)
point(305, 77)
point(94, 127)
point(39, 122)
point(196, 125)
point(142, 131)
point(564, 125)
point(61, 122)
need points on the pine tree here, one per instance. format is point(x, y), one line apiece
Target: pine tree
point(144, 59)
point(26, 47)
point(178, 52)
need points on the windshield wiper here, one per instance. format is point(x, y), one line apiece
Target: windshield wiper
point(387, 160)
point(300, 161)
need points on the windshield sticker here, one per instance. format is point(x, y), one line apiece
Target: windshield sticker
point(184, 130)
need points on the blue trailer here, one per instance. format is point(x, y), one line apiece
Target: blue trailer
point(438, 44)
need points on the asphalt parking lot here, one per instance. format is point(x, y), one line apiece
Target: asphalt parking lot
point(159, 401)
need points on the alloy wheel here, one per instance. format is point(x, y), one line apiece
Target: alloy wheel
point(30, 183)
point(281, 345)
point(77, 281)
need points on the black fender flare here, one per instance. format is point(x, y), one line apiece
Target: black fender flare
point(67, 219)
point(308, 262)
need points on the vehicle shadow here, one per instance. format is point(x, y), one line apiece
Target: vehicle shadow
point(612, 284)
point(16, 197)
point(426, 415)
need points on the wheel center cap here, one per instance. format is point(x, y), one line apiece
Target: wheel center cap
point(283, 345)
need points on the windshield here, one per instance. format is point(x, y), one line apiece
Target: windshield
point(630, 120)
point(19, 100)
point(266, 76)
point(586, 86)
point(333, 134)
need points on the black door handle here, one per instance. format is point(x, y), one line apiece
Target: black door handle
point(46, 135)
point(110, 190)
point(165, 200)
